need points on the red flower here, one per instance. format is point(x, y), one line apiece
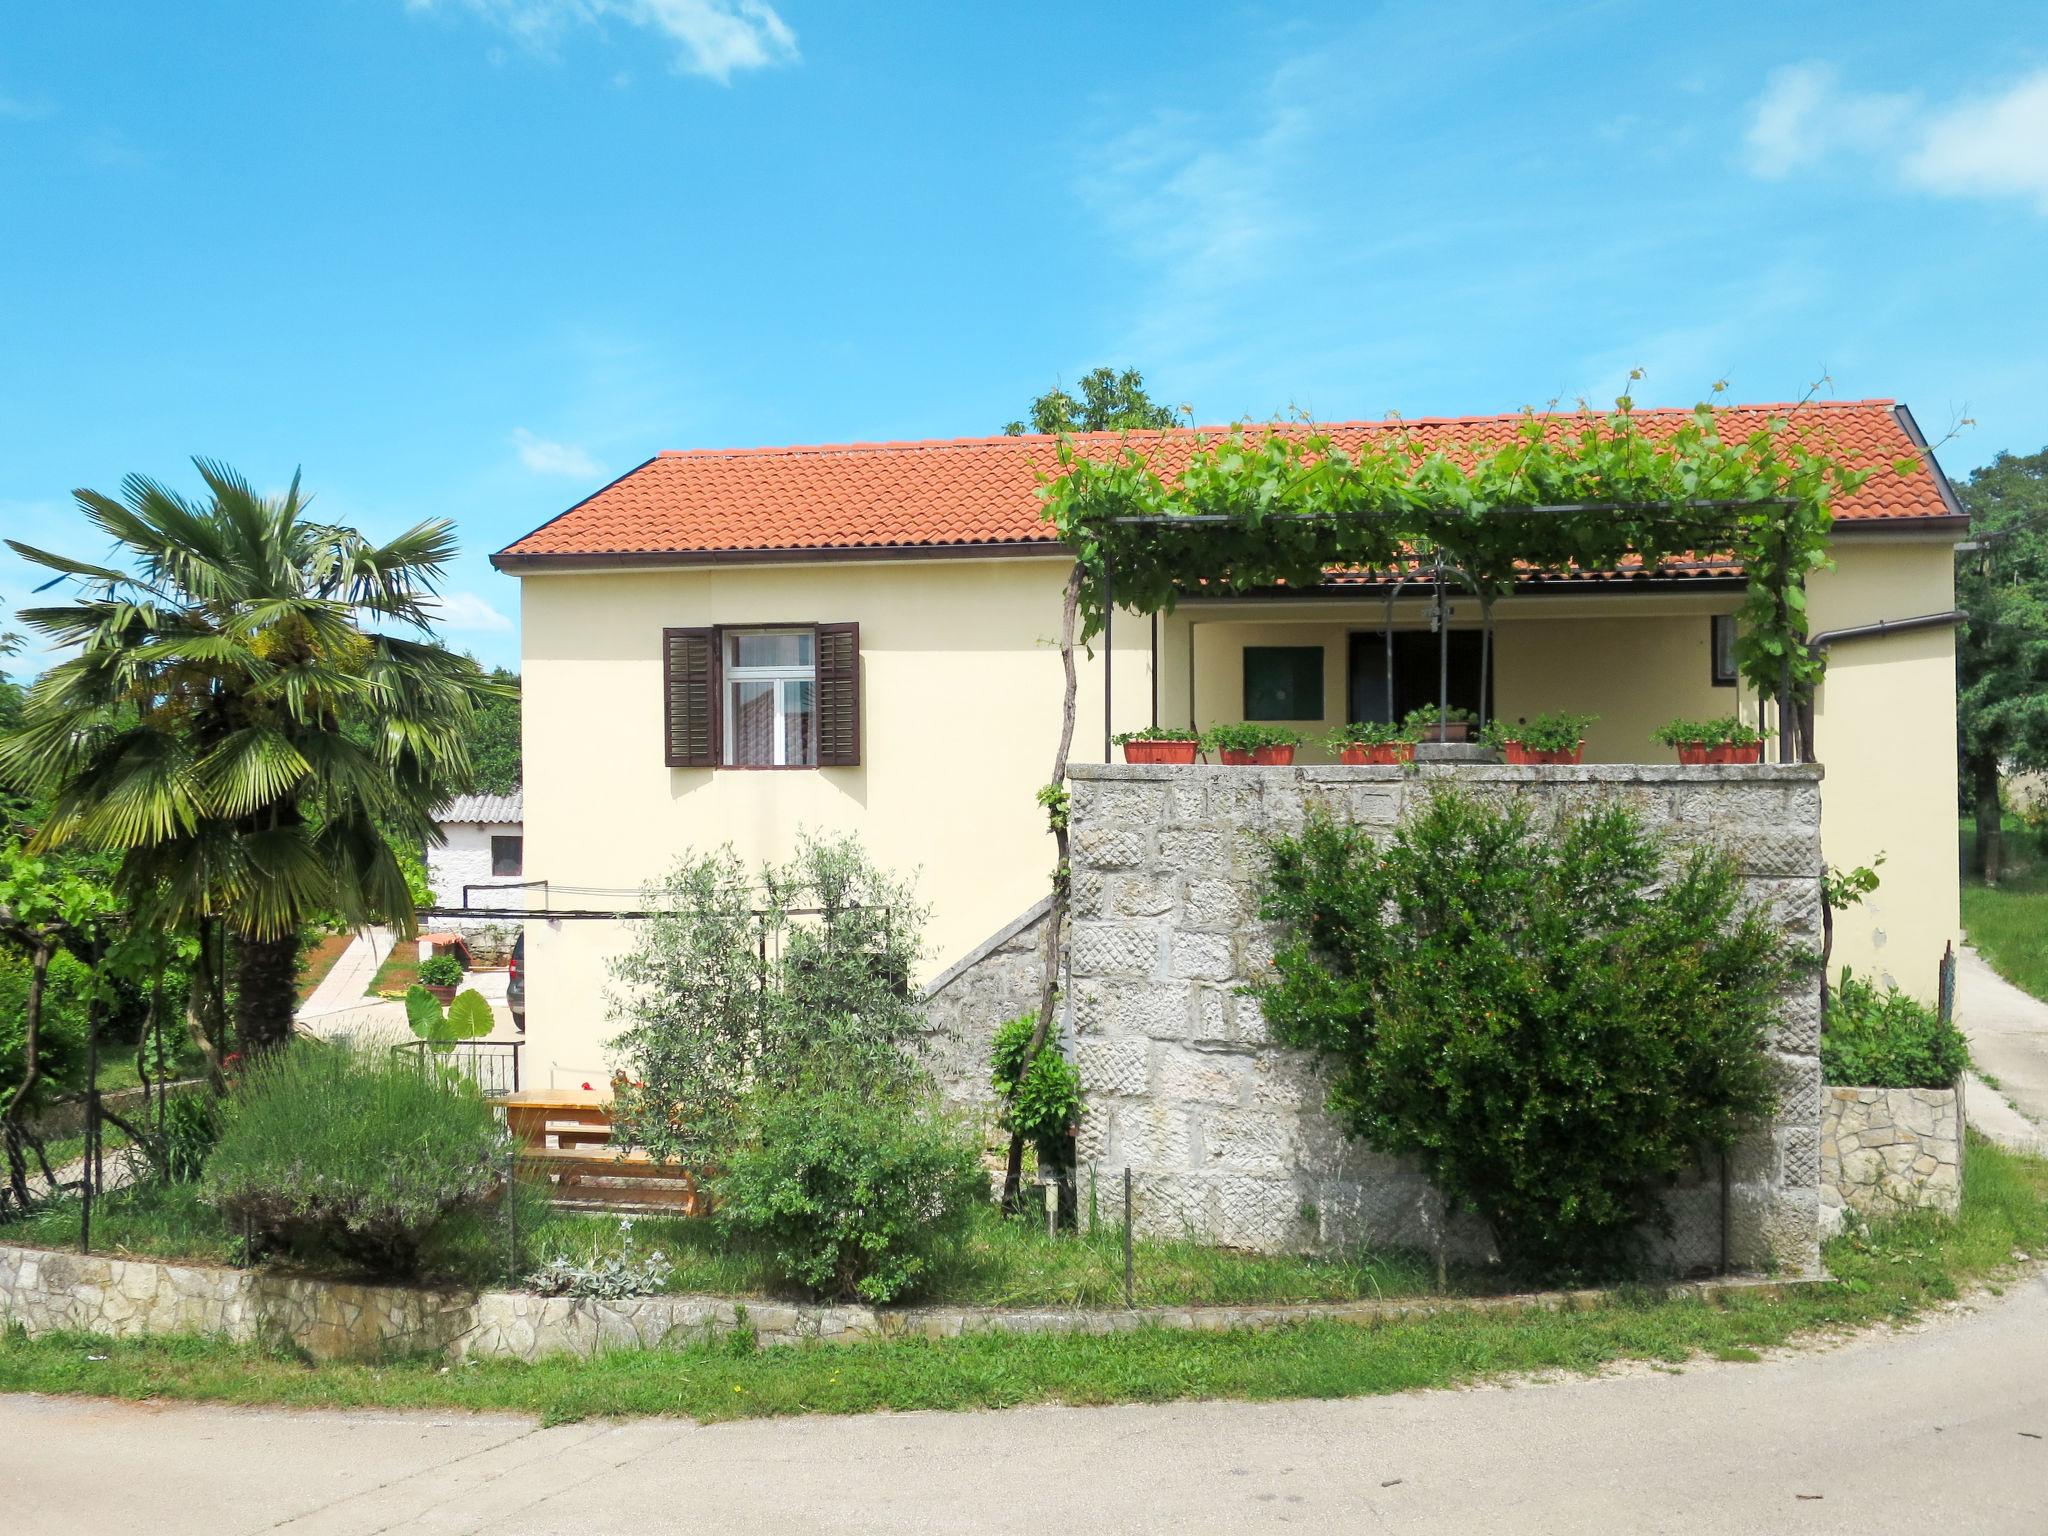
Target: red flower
point(586, 1088)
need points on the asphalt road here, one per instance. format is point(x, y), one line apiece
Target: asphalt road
point(1937, 1429)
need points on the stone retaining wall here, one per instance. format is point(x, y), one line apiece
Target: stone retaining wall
point(995, 982)
point(1886, 1150)
point(1224, 1131)
point(46, 1291)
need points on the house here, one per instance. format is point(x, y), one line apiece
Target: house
point(727, 646)
point(483, 847)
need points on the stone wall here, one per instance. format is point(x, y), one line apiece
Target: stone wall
point(46, 1291)
point(995, 982)
point(1224, 1131)
point(1886, 1150)
point(126, 1298)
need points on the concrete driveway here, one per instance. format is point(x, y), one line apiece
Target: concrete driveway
point(2008, 1032)
point(1937, 1429)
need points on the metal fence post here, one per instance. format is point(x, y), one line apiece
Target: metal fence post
point(1128, 1294)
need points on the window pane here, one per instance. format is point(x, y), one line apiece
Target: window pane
point(507, 855)
point(800, 723)
point(750, 729)
point(788, 649)
point(1283, 682)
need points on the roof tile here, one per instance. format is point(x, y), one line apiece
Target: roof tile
point(979, 490)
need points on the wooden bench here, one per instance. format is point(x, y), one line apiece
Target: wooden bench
point(595, 1175)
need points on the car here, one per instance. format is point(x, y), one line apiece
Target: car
point(515, 985)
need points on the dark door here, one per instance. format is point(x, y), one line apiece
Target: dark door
point(1415, 673)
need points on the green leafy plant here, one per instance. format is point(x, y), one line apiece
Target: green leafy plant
point(1054, 799)
point(468, 1017)
point(1887, 1039)
point(604, 1274)
point(1040, 1101)
point(334, 1153)
point(442, 970)
point(1725, 731)
point(1539, 733)
point(1419, 720)
point(737, 978)
point(1370, 733)
point(1158, 733)
point(1247, 737)
point(1554, 1022)
point(849, 1182)
point(1843, 888)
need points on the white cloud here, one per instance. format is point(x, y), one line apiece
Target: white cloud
point(467, 611)
point(1993, 144)
point(1805, 117)
point(1993, 147)
point(544, 456)
point(715, 38)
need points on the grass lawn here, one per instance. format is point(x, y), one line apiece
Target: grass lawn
point(2008, 922)
point(1001, 1264)
point(315, 963)
point(1886, 1277)
point(401, 968)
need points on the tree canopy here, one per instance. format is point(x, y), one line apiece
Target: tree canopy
point(2003, 586)
point(243, 720)
point(1109, 402)
point(494, 753)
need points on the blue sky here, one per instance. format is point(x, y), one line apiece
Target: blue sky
point(473, 258)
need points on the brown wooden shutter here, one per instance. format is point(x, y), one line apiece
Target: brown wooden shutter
point(689, 686)
point(838, 695)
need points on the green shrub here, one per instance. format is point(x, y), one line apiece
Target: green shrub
point(1726, 731)
point(1247, 737)
point(1040, 1103)
point(848, 1182)
point(1158, 733)
point(190, 1133)
point(1539, 733)
point(60, 1043)
point(1553, 1032)
point(440, 971)
point(332, 1152)
point(1370, 733)
point(1873, 1039)
point(737, 978)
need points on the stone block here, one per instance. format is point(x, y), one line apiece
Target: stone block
point(1216, 904)
point(1188, 1076)
point(1144, 895)
point(1245, 1140)
point(1116, 951)
point(1107, 845)
point(1797, 1029)
point(1195, 851)
point(1115, 1067)
point(1202, 957)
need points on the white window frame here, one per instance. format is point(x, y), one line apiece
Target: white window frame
point(784, 677)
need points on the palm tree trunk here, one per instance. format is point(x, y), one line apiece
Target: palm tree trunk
point(266, 992)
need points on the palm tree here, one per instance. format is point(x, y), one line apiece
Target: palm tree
point(240, 723)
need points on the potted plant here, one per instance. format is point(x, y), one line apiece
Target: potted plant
point(1725, 740)
point(1557, 739)
point(441, 975)
point(1371, 742)
point(1456, 724)
point(1264, 745)
point(1160, 744)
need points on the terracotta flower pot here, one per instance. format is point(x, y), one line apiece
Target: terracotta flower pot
point(1694, 754)
point(443, 995)
point(1559, 757)
point(1160, 751)
point(1449, 730)
point(1259, 757)
point(1727, 752)
point(1378, 754)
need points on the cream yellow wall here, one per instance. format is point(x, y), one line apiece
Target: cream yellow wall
point(961, 690)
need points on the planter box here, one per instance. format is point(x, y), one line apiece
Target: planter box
point(1560, 757)
point(1160, 751)
point(1454, 730)
point(1382, 754)
point(1258, 757)
point(1697, 754)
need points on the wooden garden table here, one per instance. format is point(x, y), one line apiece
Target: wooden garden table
point(575, 1117)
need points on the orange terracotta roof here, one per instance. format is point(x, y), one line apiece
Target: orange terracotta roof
point(978, 492)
